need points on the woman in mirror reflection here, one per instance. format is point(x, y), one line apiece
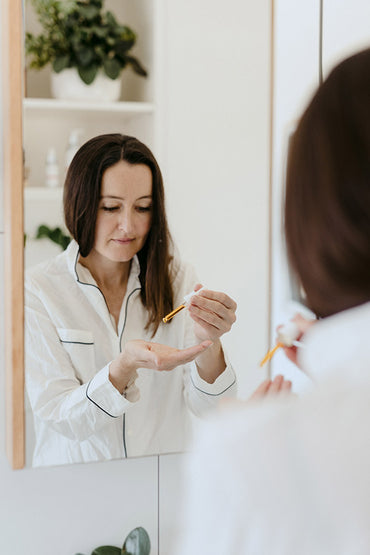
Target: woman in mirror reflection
point(293, 477)
point(106, 378)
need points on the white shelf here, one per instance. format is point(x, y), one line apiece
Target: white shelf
point(63, 105)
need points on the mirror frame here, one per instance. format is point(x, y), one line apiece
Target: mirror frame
point(12, 97)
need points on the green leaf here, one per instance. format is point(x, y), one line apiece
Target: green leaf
point(137, 542)
point(88, 74)
point(126, 34)
point(136, 66)
point(111, 20)
point(85, 56)
point(99, 32)
point(106, 550)
point(64, 241)
point(122, 46)
point(42, 231)
point(89, 11)
point(112, 67)
point(60, 63)
point(56, 235)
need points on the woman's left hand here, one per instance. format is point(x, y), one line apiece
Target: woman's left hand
point(213, 313)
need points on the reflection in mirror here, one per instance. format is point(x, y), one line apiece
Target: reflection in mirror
point(106, 377)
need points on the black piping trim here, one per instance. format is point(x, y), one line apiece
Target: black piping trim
point(89, 284)
point(158, 501)
point(124, 435)
point(124, 322)
point(120, 350)
point(212, 394)
point(120, 347)
point(76, 342)
point(96, 404)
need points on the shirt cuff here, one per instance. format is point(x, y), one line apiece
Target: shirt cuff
point(132, 393)
point(105, 396)
point(222, 383)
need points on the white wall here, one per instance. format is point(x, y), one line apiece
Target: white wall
point(345, 30)
point(217, 158)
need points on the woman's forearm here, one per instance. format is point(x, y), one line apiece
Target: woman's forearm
point(211, 363)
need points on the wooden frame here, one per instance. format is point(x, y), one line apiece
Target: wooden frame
point(12, 70)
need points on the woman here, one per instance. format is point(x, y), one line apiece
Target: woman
point(297, 471)
point(106, 378)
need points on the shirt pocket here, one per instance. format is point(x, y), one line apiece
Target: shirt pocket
point(80, 347)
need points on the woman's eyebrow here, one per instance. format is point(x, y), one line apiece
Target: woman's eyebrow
point(121, 198)
point(111, 196)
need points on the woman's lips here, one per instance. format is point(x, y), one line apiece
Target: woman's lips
point(123, 241)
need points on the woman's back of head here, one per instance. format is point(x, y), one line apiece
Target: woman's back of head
point(327, 209)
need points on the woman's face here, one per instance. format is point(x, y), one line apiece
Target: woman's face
point(125, 211)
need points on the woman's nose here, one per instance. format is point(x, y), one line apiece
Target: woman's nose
point(125, 222)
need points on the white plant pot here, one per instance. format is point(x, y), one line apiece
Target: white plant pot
point(68, 85)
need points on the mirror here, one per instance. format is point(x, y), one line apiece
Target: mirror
point(187, 153)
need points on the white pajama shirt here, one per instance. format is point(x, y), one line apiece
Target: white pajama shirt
point(289, 476)
point(71, 338)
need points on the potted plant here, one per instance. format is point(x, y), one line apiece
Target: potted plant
point(136, 543)
point(81, 40)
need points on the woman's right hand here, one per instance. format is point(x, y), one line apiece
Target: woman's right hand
point(270, 388)
point(303, 324)
point(154, 356)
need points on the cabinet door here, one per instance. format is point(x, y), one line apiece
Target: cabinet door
point(345, 30)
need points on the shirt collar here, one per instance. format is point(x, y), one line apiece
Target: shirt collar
point(83, 275)
point(338, 346)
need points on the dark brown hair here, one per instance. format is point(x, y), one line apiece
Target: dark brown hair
point(327, 208)
point(81, 199)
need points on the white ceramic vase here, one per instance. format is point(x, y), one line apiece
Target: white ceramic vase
point(67, 85)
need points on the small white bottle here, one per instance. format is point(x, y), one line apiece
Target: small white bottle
point(287, 334)
point(51, 168)
point(72, 147)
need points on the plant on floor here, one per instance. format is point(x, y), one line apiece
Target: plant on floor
point(79, 34)
point(136, 543)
